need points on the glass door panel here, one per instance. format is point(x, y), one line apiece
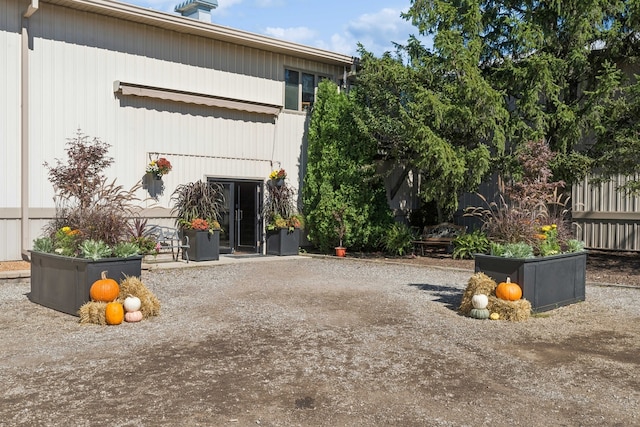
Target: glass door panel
point(226, 218)
point(246, 215)
point(240, 219)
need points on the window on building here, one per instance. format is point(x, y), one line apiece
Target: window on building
point(300, 89)
point(291, 89)
point(308, 90)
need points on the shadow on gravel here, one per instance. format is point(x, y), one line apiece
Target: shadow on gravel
point(449, 296)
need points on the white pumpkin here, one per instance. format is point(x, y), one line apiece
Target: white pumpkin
point(132, 303)
point(133, 316)
point(479, 301)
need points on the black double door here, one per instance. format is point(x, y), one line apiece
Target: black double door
point(241, 219)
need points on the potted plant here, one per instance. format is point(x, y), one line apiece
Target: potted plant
point(530, 236)
point(341, 230)
point(277, 177)
point(283, 222)
point(158, 168)
point(90, 231)
point(197, 206)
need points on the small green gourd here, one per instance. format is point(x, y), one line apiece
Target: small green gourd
point(479, 313)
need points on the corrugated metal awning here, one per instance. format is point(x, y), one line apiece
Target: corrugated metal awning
point(195, 98)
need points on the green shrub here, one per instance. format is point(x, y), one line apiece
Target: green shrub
point(398, 239)
point(147, 245)
point(465, 245)
point(341, 178)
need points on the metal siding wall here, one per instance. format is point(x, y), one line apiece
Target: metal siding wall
point(77, 56)
point(10, 232)
point(605, 218)
point(288, 145)
point(10, 132)
point(83, 54)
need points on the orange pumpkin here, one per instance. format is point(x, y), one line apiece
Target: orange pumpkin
point(509, 291)
point(104, 289)
point(114, 313)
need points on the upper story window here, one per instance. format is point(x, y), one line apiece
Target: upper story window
point(300, 89)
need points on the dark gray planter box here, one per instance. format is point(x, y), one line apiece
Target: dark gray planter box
point(203, 245)
point(283, 242)
point(62, 283)
point(547, 282)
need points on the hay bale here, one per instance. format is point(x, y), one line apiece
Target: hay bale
point(514, 311)
point(93, 312)
point(150, 305)
point(479, 283)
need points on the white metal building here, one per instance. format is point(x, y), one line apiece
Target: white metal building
point(220, 104)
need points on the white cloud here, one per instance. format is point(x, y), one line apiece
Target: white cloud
point(377, 31)
point(341, 43)
point(292, 34)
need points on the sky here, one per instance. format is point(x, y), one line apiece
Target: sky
point(335, 25)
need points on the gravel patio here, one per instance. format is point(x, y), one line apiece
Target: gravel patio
point(312, 341)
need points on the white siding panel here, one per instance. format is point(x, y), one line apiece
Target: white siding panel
point(10, 131)
point(10, 241)
point(9, 105)
point(287, 148)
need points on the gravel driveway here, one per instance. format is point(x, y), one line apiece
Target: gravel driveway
point(320, 342)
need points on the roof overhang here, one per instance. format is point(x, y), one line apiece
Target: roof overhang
point(203, 29)
point(174, 95)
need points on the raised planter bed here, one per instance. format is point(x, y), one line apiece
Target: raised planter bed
point(283, 242)
point(62, 283)
point(547, 282)
point(202, 245)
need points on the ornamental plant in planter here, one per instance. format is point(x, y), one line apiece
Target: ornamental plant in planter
point(89, 233)
point(197, 207)
point(341, 230)
point(159, 167)
point(530, 237)
point(282, 217)
point(283, 236)
point(203, 239)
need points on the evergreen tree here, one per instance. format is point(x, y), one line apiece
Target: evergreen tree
point(560, 65)
point(433, 113)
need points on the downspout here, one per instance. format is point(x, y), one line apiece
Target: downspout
point(25, 44)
